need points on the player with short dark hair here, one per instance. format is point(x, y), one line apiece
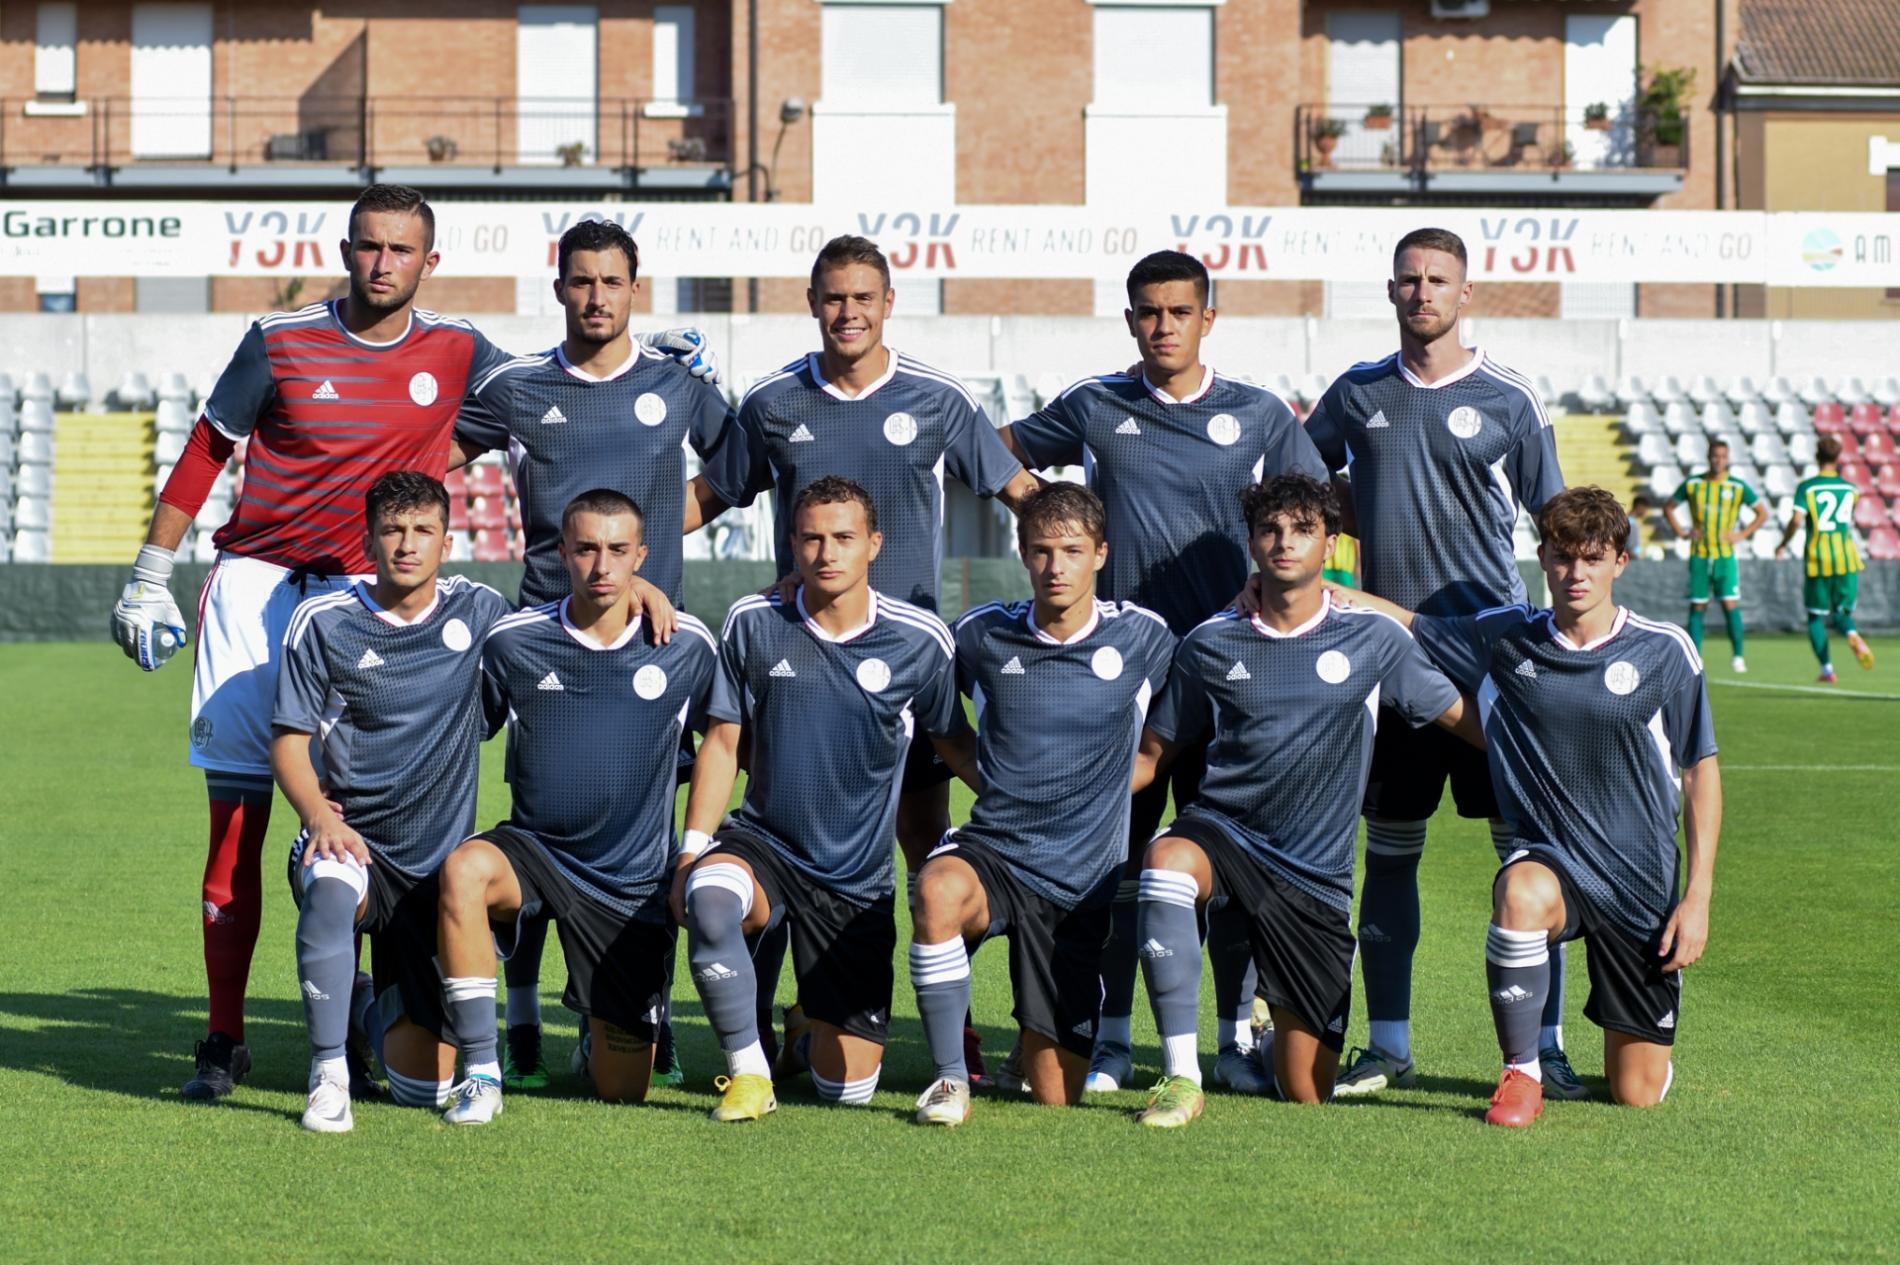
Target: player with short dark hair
point(1169, 446)
point(1715, 499)
point(1599, 734)
point(382, 679)
point(831, 685)
point(597, 705)
point(1038, 859)
point(1824, 503)
point(1444, 447)
point(1292, 693)
point(602, 408)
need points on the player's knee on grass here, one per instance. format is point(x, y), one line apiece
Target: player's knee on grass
point(1527, 897)
point(948, 892)
point(844, 1068)
point(1055, 1075)
point(420, 1066)
point(1639, 1071)
point(620, 1063)
point(1303, 1065)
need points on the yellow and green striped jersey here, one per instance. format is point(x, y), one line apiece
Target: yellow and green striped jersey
point(1342, 564)
point(1715, 506)
point(1828, 501)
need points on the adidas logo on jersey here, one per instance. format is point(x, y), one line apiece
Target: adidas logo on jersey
point(325, 392)
point(1128, 427)
point(370, 659)
point(550, 682)
point(1377, 420)
point(801, 436)
point(1512, 995)
point(552, 416)
point(311, 991)
point(1084, 1029)
point(1527, 670)
point(782, 668)
point(1014, 667)
point(1239, 672)
point(1667, 1021)
point(716, 971)
point(1153, 948)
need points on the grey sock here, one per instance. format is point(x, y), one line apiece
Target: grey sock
point(941, 975)
point(523, 967)
point(1170, 938)
point(722, 968)
point(326, 963)
point(1517, 971)
point(1388, 917)
point(768, 960)
point(1552, 1018)
point(1119, 956)
point(1230, 955)
point(470, 1003)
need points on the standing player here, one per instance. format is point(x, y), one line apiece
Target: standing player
point(1292, 694)
point(1715, 499)
point(831, 685)
point(1825, 503)
point(1170, 449)
point(1599, 732)
point(385, 675)
point(599, 410)
point(1037, 860)
point(597, 705)
point(1442, 446)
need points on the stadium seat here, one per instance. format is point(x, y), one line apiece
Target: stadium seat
point(1829, 416)
point(1792, 418)
point(458, 513)
point(1312, 387)
point(1762, 544)
point(1779, 390)
point(1703, 390)
point(159, 475)
point(1852, 391)
point(32, 546)
point(7, 446)
point(6, 546)
point(1887, 481)
point(1858, 475)
point(75, 392)
point(1878, 449)
point(1692, 450)
point(486, 514)
point(214, 513)
point(169, 447)
point(1742, 390)
point(9, 394)
point(457, 484)
point(484, 479)
point(1547, 392)
point(1779, 480)
point(1753, 418)
point(1816, 390)
point(203, 549)
point(1679, 418)
point(174, 416)
point(1664, 479)
point(1850, 447)
point(517, 547)
point(175, 386)
point(491, 546)
point(1883, 544)
point(33, 513)
point(1283, 387)
point(134, 392)
point(1595, 396)
point(1655, 450)
point(36, 448)
point(38, 387)
point(1631, 389)
point(1767, 449)
point(1893, 419)
point(1669, 390)
point(1872, 511)
point(36, 415)
point(1642, 419)
point(1887, 392)
point(1865, 417)
point(1717, 418)
point(1801, 449)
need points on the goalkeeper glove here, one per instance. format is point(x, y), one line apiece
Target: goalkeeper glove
point(145, 620)
point(688, 346)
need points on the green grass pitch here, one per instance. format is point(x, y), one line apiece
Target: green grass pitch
point(1778, 1142)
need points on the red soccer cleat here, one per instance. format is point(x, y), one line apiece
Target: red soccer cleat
point(1518, 1102)
point(973, 1058)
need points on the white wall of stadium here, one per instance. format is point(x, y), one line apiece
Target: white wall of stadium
point(1342, 244)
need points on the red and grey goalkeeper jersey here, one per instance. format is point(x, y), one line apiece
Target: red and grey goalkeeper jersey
point(327, 414)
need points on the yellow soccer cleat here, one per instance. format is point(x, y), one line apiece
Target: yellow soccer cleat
point(1863, 653)
point(1174, 1102)
point(743, 1097)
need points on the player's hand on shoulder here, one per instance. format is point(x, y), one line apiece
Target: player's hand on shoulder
point(1247, 601)
point(688, 346)
point(786, 589)
point(656, 608)
point(332, 838)
point(1685, 935)
point(146, 621)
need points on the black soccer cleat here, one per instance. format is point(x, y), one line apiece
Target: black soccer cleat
point(666, 1058)
point(357, 1055)
point(222, 1063)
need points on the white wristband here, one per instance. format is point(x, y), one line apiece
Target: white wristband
point(153, 565)
point(696, 842)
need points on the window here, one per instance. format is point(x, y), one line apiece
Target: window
point(171, 80)
point(882, 56)
point(1154, 60)
point(556, 78)
point(673, 52)
point(54, 64)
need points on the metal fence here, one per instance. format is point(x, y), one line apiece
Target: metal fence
point(1455, 137)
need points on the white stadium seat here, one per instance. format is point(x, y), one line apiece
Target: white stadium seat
point(1743, 389)
point(1314, 386)
point(175, 386)
point(1679, 418)
point(1717, 418)
point(1547, 392)
point(36, 414)
point(75, 391)
point(1595, 395)
point(6, 482)
point(7, 446)
point(1754, 418)
point(1778, 390)
point(175, 415)
point(170, 447)
point(1792, 419)
point(134, 392)
point(1669, 390)
point(1642, 419)
point(1887, 393)
point(38, 387)
point(33, 513)
point(1655, 450)
point(36, 449)
point(1817, 391)
point(9, 394)
point(33, 481)
point(1767, 448)
point(1801, 449)
point(1704, 389)
point(1284, 388)
point(1631, 389)
point(1778, 481)
point(1664, 479)
point(1852, 391)
point(1692, 449)
point(32, 546)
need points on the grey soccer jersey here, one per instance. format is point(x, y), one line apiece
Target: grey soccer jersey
point(1058, 724)
point(897, 439)
point(1170, 474)
point(1294, 715)
point(397, 711)
point(831, 720)
point(596, 732)
point(1587, 743)
point(1438, 475)
point(567, 433)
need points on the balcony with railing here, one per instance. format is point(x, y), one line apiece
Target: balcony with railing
point(326, 141)
point(1489, 150)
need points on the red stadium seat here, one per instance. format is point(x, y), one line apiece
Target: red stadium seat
point(457, 484)
point(458, 512)
point(1893, 420)
point(1883, 543)
point(1866, 418)
point(1871, 512)
point(1850, 447)
point(492, 546)
point(1887, 481)
point(1829, 415)
point(1858, 475)
point(487, 514)
point(514, 514)
point(484, 480)
point(1878, 448)
point(517, 547)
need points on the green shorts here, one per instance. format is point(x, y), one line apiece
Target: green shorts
point(1721, 575)
point(1824, 593)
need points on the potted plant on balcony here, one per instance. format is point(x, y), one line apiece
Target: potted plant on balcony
point(1326, 134)
point(1596, 116)
point(1378, 117)
point(1661, 108)
point(572, 154)
point(1564, 155)
point(441, 148)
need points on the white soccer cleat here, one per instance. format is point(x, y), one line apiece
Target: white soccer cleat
point(477, 1100)
point(946, 1102)
point(1240, 1071)
point(328, 1110)
point(1738, 665)
point(1370, 1071)
point(1109, 1069)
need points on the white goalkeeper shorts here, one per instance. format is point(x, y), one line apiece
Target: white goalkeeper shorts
point(243, 613)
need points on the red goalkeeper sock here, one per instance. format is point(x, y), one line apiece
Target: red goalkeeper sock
point(233, 905)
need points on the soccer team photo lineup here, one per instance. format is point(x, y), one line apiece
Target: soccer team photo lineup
point(1246, 631)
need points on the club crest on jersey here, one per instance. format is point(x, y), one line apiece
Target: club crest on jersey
point(900, 428)
point(422, 388)
point(650, 682)
point(456, 636)
point(1621, 677)
point(1106, 663)
point(874, 675)
point(1333, 667)
point(650, 409)
point(1464, 422)
point(1223, 429)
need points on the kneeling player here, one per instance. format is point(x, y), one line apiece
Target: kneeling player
point(387, 674)
point(1292, 694)
point(1039, 857)
point(1599, 731)
point(831, 686)
point(597, 706)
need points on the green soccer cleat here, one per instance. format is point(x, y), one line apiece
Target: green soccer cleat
point(667, 1069)
point(522, 1066)
point(946, 1102)
point(1370, 1071)
point(743, 1097)
point(1172, 1104)
point(1560, 1079)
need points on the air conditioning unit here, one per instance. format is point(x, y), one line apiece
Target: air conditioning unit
point(1449, 9)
